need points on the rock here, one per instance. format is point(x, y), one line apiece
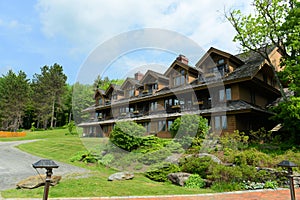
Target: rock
point(178, 178)
point(37, 181)
point(121, 176)
point(213, 157)
point(173, 158)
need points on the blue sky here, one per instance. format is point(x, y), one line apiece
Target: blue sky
point(34, 33)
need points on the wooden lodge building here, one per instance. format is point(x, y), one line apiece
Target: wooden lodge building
point(231, 91)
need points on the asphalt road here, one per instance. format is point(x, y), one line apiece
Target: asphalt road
point(16, 165)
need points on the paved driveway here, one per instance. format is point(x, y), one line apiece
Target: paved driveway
point(16, 165)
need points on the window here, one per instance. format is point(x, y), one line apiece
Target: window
point(153, 106)
point(114, 96)
point(221, 61)
point(99, 115)
point(225, 95)
point(147, 126)
point(220, 122)
point(228, 93)
point(176, 102)
point(170, 122)
point(105, 129)
point(221, 95)
point(130, 92)
point(123, 110)
point(161, 125)
point(100, 101)
point(180, 79)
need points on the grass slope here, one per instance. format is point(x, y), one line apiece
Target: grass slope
point(56, 145)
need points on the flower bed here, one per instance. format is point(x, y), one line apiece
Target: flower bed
point(12, 134)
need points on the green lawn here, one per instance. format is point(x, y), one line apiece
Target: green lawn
point(56, 145)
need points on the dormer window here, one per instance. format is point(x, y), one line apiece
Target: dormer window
point(180, 79)
point(115, 96)
point(130, 91)
point(221, 61)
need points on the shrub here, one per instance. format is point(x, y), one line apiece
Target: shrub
point(252, 157)
point(106, 160)
point(154, 157)
point(127, 135)
point(196, 165)
point(221, 173)
point(160, 171)
point(189, 125)
point(236, 140)
point(260, 136)
point(226, 186)
point(194, 181)
point(84, 156)
point(71, 126)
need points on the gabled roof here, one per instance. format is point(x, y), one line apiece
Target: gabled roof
point(99, 92)
point(183, 65)
point(131, 81)
point(253, 62)
point(213, 50)
point(113, 87)
point(154, 74)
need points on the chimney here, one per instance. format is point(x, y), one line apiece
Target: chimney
point(183, 59)
point(138, 76)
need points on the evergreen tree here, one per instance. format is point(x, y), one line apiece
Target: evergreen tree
point(48, 87)
point(14, 97)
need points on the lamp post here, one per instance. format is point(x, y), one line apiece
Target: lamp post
point(48, 165)
point(289, 165)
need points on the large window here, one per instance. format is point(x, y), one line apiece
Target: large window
point(161, 125)
point(153, 106)
point(225, 94)
point(180, 79)
point(170, 122)
point(220, 122)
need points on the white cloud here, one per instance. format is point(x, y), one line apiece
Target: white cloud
point(88, 23)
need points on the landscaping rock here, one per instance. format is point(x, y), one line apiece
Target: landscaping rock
point(178, 178)
point(121, 176)
point(37, 181)
point(213, 157)
point(173, 158)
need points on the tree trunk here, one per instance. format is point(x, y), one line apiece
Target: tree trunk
point(52, 113)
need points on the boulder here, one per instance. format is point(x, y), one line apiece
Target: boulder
point(178, 178)
point(213, 157)
point(121, 176)
point(37, 181)
point(173, 158)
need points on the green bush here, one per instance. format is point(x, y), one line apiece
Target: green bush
point(84, 156)
point(222, 173)
point(106, 160)
point(252, 157)
point(154, 157)
point(189, 125)
point(194, 181)
point(196, 165)
point(226, 186)
point(160, 171)
point(127, 135)
point(236, 140)
point(260, 136)
point(71, 126)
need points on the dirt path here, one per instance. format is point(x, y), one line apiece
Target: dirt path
point(16, 165)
